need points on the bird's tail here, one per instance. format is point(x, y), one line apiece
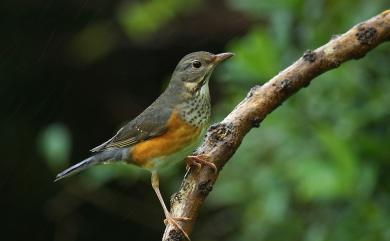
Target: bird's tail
point(100, 158)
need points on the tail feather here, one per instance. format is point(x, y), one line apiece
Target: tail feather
point(100, 158)
point(91, 161)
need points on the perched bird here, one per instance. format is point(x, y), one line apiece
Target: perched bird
point(167, 129)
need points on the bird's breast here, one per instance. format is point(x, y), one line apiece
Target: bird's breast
point(179, 135)
point(196, 110)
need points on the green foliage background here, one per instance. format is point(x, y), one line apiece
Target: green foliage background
point(316, 169)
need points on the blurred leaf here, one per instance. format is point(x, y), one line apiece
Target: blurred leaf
point(256, 58)
point(344, 160)
point(142, 19)
point(102, 174)
point(315, 180)
point(260, 8)
point(92, 43)
point(54, 143)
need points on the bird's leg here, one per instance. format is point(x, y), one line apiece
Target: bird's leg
point(199, 161)
point(168, 217)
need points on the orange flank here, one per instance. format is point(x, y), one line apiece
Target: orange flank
point(178, 135)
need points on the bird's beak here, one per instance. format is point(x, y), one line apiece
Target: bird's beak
point(221, 57)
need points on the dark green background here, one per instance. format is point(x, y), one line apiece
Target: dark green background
point(71, 72)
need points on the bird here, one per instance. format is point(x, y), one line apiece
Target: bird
point(167, 130)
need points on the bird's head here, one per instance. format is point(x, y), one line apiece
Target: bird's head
point(194, 70)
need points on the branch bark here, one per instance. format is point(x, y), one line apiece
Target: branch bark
point(223, 139)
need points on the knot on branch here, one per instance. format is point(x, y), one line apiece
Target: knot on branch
point(175, 235)
point(285, 86)
point(176, 198)
point(365, 35)
point(309, 56)
point(253, 90)
point(219, 132)
point(256, 121)
point(205, 187)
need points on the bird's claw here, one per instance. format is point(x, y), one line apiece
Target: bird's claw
point(173, 220)
point(198, 161)
point(181, 219)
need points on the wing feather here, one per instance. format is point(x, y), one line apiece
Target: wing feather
point(150, 123)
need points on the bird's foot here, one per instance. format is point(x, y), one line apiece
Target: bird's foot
point(200, 160)
point(181, 219)
point(173, 220)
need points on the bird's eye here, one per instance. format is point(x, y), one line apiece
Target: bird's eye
point(196, 64)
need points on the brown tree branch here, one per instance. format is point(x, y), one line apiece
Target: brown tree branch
point(223, 139)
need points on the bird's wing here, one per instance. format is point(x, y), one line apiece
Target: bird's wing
point(150, 123)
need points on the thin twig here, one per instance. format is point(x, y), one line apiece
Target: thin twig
point(223, 139)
